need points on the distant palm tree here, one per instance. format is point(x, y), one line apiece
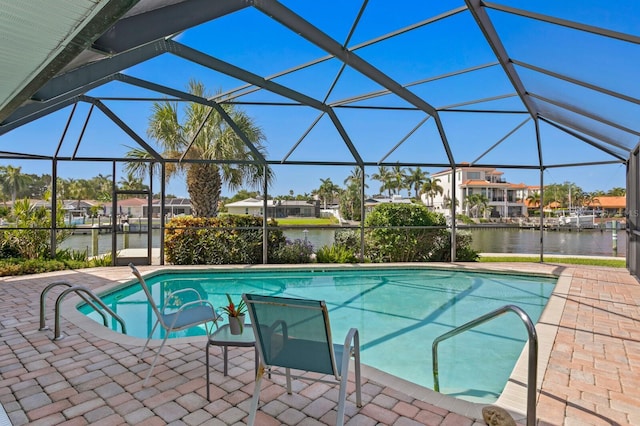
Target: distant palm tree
point(432, 188)
point(13, 181)
point(385, 177)
point(447, 204)
point(78, 190)
point(355, 177)
point(476, 204)
point(103, 187)
point(617, 192)
point(415, 179)
point(132, 183)
point(216, 140)
point(399, 179)
point(327, 191)
point(534, 199)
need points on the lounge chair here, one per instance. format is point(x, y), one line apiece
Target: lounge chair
point(295, 334)
point(181, 315)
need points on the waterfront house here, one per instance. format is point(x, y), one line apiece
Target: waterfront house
point(275, 208)
point(505, 199)
point(609, 205)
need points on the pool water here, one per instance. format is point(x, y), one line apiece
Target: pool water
point(398, 312)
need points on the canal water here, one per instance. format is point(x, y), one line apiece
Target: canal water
point(492, 240)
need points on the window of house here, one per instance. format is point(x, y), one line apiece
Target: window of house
point(473, 175)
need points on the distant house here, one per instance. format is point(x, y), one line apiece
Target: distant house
point(504, 199)
point(132, 207)
point(137, 207)
point(370, 203)
point(609, 205)
point(172, 207)
point(275, 208)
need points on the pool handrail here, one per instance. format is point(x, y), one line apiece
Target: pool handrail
point(532, 372)
point(43, 295)
point(78, 289)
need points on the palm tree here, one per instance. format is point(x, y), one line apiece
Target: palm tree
point(432, 188)
point(327, 190)
point(447, 204)
point(399, 177)
point(477, 203)
point(534, 199)
point(132, 183)
point(102, 187)
point(385, 177)
point(415, 179)
point(617, 192)
point(13, 181)
point(216, 140)
point(355, 177)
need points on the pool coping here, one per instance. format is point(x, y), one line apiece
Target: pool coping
point(513, 398)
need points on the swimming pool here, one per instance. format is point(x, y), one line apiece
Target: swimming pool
point(398, 313)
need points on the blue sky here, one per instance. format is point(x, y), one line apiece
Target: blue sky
point(251, 40)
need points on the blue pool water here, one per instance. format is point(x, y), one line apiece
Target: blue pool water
point(398, 312)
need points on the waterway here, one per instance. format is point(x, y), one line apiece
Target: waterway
point(492, 240)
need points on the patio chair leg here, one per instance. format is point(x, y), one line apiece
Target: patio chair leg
point(256, 396)
point(342, 398)
point(155, 359)
point(288, 371)
point(148, 340)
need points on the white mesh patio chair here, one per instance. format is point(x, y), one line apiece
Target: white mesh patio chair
point(295, 334)
point(176, 316)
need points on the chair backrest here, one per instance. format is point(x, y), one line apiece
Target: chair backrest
point(147, 292)
point(293, 333)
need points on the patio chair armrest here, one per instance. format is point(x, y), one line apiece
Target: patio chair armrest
point(172, 294)
point(351, 349)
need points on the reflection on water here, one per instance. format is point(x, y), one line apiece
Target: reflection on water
point(583, 243)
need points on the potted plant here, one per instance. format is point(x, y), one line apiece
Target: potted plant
point(236, 313)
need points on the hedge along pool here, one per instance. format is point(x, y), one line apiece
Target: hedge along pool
point(398, 312)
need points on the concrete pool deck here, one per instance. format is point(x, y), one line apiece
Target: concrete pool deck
point(589, 367)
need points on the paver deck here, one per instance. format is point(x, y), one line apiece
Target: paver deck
point(592, 376)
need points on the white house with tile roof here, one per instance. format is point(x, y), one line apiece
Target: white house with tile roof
point(505, 199)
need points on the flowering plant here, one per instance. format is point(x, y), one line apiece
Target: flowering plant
point(234, 310)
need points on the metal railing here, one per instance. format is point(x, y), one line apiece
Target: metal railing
point(85, 294)
point(533, 353)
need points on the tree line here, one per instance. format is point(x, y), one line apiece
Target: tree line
point(15, 185)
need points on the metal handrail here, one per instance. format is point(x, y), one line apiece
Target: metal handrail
point(43, 295)
point(80, 289)
point(533, 353)
point(85, 294)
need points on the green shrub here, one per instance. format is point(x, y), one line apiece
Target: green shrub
point(464, 219)
point(32, 266)
point(104, 260)
point(335, 254)
point(297, 251)
point(33, 240)
point(388, 241)
point(9, 247)
point(70, 254)
point(385, 242)
point(441, 251)
point(228, 239)
point(348, 238)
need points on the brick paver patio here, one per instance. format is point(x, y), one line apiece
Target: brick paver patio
point(90, 377)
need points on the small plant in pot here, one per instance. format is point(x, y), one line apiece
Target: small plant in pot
point(236, 313)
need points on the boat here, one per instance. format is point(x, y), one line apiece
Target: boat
point(579, 220)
